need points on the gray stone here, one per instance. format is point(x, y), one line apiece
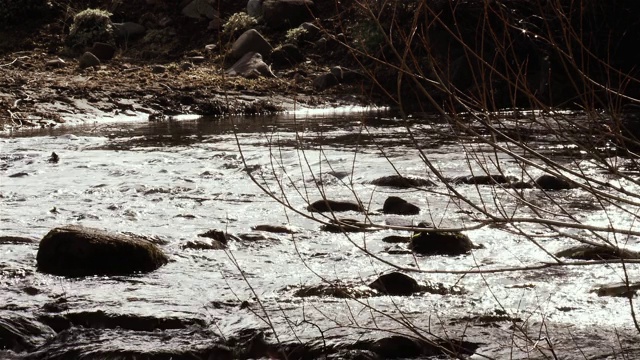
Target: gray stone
point(198, 9)
point(88, 59)
point(79, 251)
point(280, 14)
point(56, 63)
point(395, 283)
point(128, 30)
point(399, 206)
point(440, 243)
point(250, 66)
point(103, 51)
point(250, 41)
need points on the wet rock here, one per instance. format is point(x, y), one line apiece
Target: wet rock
point(325, 81)
point(10, 239)
point(199, 9)
point(402, 182)
point(274, 229)
point(128, 30)
point(88, 60)
point(218, 235)
point(399, 346)
point(54, 158)
point(334, 206)
point(288, 14)
point(336, 290)
point(550, 182)
point(286, 55)
point(440, 243)
point(103, 320)
point(484, 179)
point(621, 289)
point(399, 206)
point(203, 245)
point(74, 250)
point(395, 283)
point(19, 174)
point(347, 225)
point(590, 252)
point(103, 51)
point(396, 239)
point(20, 333)
point(251, 41)
point(250, 66)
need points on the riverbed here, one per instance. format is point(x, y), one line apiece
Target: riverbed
point(173, 180)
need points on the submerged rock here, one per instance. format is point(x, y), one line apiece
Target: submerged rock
point(336, 290)
point(591, 252)
point(402, 182)
point(440, 243)
point(484, 179)
point(399, 206)
point(333, 205)
point(22, 333)
point(203, 245)
point(75, 250)
point(395, 283)
point(620, 289)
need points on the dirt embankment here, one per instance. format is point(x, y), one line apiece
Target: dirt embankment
point(42, 84)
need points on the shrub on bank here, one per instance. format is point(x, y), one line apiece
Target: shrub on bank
point(89, 26)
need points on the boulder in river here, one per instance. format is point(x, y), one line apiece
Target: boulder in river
point(395, 283)
point(484, 179)
point(402, 182)
point(326, 205)
point(592, 252)
point(75, 250)
point(550, 182)
point(399, 206)
point(440, 243)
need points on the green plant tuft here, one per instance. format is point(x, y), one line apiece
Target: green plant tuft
point(89, 26)
point(238, 22)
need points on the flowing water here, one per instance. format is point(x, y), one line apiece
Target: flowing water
point(176, 179)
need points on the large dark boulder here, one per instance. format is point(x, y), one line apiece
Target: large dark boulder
point(250, 41)
point(399, 206)
point(395, 283)
point(440, 243)
point(287, 14)
point(333, 205)
point(80, 251)
point(550, 182)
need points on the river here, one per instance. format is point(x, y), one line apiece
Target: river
point(173, 180)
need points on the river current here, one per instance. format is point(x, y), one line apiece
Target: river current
point(175, 179)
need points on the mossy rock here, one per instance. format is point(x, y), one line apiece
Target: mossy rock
point(80, 251)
